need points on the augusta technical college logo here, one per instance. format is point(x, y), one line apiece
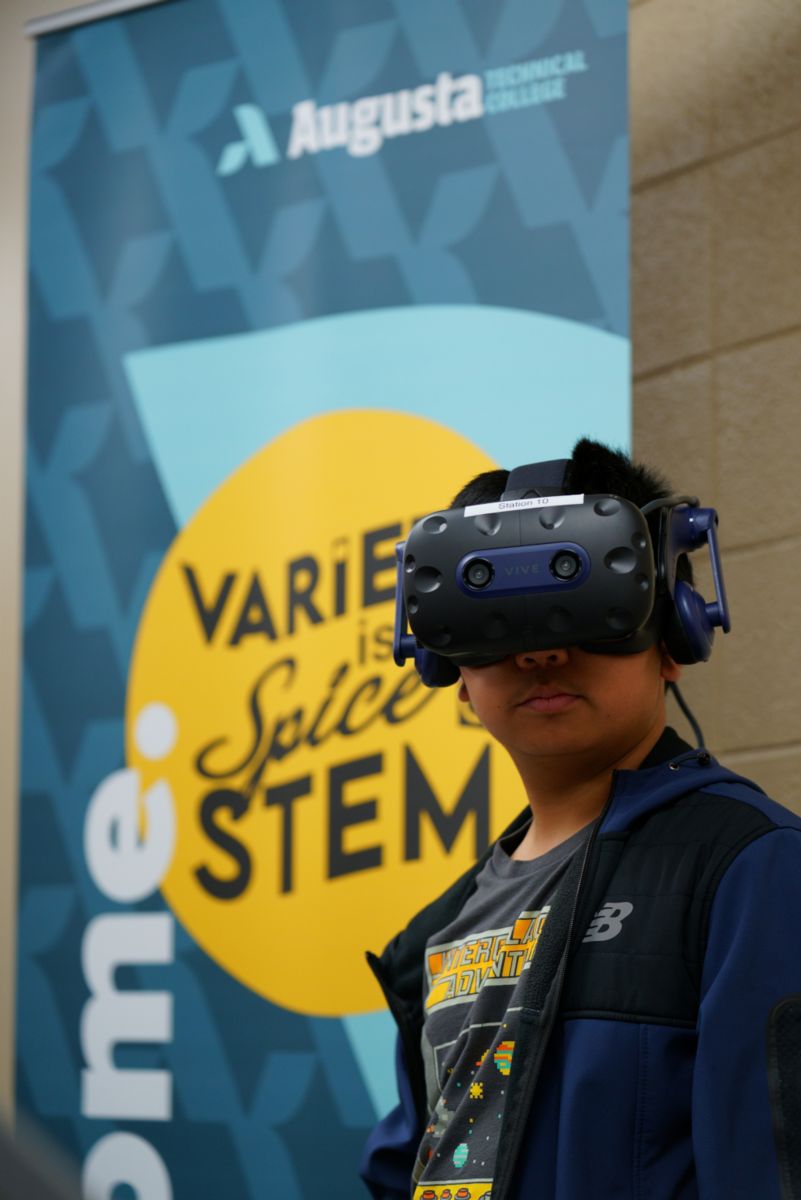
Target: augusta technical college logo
point(361, 126)
point(321, 793)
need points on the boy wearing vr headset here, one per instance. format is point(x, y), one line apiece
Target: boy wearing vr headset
point(608, 1004)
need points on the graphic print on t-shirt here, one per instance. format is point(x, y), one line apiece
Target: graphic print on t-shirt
point(456, 971)
point(470, 1053)
point(477, 972)
point(455, 1191)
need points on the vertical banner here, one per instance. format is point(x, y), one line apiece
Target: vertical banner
point(298, 270)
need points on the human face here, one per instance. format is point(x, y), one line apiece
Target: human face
point(546, 704)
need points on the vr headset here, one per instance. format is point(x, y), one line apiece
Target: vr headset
point(537, 570)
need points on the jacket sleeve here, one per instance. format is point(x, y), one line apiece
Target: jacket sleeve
point(751, 977)
point(391, 1149)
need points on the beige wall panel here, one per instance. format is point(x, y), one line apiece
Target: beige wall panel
point(760, 670)
point(759, 442)
point(673, 430)
point(778, 772)
point(670, 87)
point(757, 240)
point(670, 236)
point(673, 427)
point(754, 69)
point(15, 57)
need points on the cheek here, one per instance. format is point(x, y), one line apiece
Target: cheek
point(640, 691)
point(482, 688)
point(486, 706)
point(629, 688)
point(483, 701)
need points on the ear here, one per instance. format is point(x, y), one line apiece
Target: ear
point(669, 669)
point(462, 692)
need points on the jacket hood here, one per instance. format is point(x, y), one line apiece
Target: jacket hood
point(671, 769)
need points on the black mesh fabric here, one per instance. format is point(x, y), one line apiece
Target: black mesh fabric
point(784, 1079)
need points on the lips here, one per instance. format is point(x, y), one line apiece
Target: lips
point(548, 700)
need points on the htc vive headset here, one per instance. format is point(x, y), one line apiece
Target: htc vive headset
point(537, 570)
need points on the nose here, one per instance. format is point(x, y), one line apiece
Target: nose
point(541, 658)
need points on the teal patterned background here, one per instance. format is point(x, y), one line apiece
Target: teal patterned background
point(167, 223)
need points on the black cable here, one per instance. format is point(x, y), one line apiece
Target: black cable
point(668, 502)
point(685, 708)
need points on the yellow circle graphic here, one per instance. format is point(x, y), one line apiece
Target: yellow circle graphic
point(321, 794)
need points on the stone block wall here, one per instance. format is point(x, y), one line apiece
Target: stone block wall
point(716, 327)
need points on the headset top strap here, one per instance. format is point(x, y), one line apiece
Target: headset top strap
point(536, 479)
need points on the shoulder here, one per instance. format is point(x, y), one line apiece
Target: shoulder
point(728, 813)
point(741, 796)
point(731, 815)
point(673, 890)
point(728, 836)
point(677, 840)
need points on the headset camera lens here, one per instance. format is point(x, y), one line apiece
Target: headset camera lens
point(565, 565)
point(478, 573)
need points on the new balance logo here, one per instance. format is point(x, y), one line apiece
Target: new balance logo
point(608, 921)
point(257, 145)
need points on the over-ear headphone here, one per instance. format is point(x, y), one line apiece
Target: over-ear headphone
point(539, 569)
point(687, 620)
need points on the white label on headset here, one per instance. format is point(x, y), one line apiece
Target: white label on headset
point(476, 510)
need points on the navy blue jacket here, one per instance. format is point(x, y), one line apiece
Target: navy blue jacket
point(660, 1060)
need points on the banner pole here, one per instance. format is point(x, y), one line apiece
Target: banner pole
point(82, 14)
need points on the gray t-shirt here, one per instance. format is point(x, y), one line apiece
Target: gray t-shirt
point(475, 970)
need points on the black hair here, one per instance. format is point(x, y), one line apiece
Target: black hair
point(592, 468)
